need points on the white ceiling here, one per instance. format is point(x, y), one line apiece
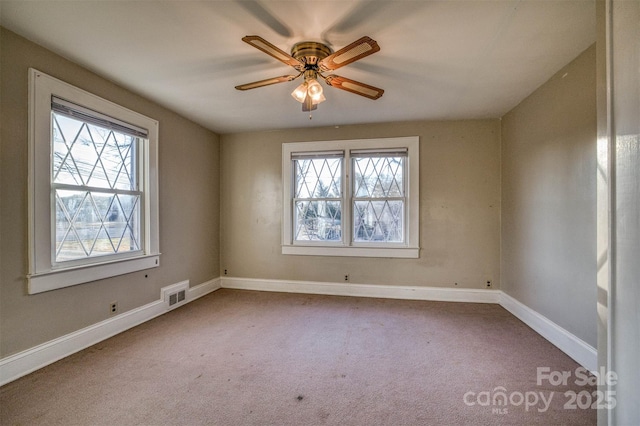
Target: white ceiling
point(438, 59)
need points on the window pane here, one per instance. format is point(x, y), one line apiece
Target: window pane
point(89, 155)
point(378, 177)
point(378, 221)
point(318, 221)
point(89, 224)
point(318, 178)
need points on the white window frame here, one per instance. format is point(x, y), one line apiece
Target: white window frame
point(43, 273)
point(346, 247)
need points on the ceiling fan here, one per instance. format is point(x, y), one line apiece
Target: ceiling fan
point(311, 59)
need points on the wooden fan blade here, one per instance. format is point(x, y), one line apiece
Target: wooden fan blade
point(351, 53)
point(353, 86)
point(268, 48)
point(267, 82)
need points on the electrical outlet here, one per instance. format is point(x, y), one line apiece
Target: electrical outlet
point(225, 272)
point(488, 283)
point(346, 277)
point(113, 308)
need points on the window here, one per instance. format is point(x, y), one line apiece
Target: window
point(351, 198)
point(317, 197)
point(93, 187)
point(378, 195)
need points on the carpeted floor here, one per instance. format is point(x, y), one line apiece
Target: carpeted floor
point(251, 358)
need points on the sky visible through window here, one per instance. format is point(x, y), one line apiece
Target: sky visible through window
point(378, 203)
point(318, 194)
point(94, 177)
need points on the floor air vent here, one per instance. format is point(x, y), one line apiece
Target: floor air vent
point(175, 295)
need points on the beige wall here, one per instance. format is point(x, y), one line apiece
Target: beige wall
point(459, 207)
point(189, 208)
point(549, 199)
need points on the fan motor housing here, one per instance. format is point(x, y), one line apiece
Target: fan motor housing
point(310, 52)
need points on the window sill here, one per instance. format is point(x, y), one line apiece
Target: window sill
point(403, 253)
point(55, 279)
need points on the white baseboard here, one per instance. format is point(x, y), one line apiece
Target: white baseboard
point(440, 294)
point(25, 362)
point(203, 289)
point(576, 348)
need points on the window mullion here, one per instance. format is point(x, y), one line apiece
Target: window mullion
point(142, 174)
point(317, 199)
point(347, 232)
point(407, 201)
point(63, 186)
point(380, 199)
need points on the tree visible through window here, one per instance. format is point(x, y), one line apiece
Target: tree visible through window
point(95, 187)
point(318, 199)
point(353, 198)
point(379, 197)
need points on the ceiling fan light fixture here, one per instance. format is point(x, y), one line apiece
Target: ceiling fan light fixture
point(310, 59)
point(316, 99)
point(314, 88)
point(300, 92)
point(310, 89)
